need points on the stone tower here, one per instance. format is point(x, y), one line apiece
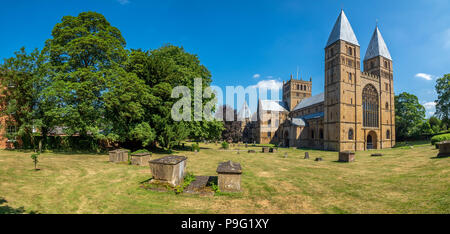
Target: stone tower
point(342, 74)
point(296, 90)
point(378, 62)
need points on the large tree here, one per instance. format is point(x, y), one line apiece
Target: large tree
point(410, 115)
point(443, 102)
point(19, 98)
point(163, 70)
point(83, 75)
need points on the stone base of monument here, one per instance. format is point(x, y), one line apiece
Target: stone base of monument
point(347, 156)
point(229, 179)
point(140, 159)
point(444, 149)
point(118, 155)
point(169, 169)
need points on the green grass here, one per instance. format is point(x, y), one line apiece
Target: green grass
point(404, 180)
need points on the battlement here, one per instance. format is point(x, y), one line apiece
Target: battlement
point(369, 76)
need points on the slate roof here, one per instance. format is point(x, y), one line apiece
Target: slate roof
point(342, 30)
point(298, 122)
point(310, 101)
point(377, 46)
point(269, 105)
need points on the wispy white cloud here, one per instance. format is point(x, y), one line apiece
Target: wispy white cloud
point(123, 2)
point(256, 76)
point(424, 76)
point(430, 107)
point(268, 84)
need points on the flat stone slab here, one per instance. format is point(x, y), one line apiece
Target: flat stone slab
point(377, 155)
point(200, 186)
point(169, 160)
point(229, 168)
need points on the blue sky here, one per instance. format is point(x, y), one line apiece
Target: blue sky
point(250, 42)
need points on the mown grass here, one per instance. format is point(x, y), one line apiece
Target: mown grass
point(405, 180)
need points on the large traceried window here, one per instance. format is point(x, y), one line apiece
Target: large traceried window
point(370, 106)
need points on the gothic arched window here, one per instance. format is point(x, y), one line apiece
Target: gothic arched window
point(370, 106)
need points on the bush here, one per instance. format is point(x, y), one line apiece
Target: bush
point(195, 147)
point(225, 145)
point(141, 151)
point(439, 138)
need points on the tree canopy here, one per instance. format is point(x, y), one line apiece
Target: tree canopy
point(410, 115)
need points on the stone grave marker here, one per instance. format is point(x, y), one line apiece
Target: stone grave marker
point(169, 169)
point(347, 156)
point(273, 150)
point(376, 155)
point(444, 149)
point(141, 159)
point(319, 159)
point(229, 176)
point(265, 149)
point(306, 155)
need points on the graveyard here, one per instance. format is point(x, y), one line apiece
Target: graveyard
point(407, 179)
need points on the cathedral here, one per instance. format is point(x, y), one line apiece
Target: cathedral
point(355, 111)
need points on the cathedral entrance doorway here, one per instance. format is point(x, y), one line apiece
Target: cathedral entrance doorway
point(371, 140)
point(286, 139)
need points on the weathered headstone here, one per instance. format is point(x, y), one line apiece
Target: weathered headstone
point(306, 155)
point(273, 150)
point(265, 149)
point(118, 155)
point(229, 176)
point(319, 159)
point(285, 155)
point(347, 156)
point(444, 149)
point(141, 159)
point(169, 169)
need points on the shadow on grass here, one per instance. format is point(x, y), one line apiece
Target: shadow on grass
point(5, 209)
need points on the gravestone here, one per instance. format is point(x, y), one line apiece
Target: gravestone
point(306, 155)
point(347, 156)
point(229, 176)
point(285, 155)
point(169, 169)
point(141, 159)
point(319, 159)
point(376, 155)
point(437, 145)
point(252, 152)
point(444, 149)
point(265, 149)
point(273, 150)
point(118, 155)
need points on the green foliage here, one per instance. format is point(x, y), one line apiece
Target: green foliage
point(20, 76)
point(225, 145)
point(440, 138)
point(188, 179)
point(443, 102)
point(410, 116)
point(140, 151)
point(35, 158)
point(214, 186)
point(195, 147)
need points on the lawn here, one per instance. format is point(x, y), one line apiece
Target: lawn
point(404, 180)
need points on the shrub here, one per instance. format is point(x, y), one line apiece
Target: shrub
point(439, 138)
point(195, 147)
point(225, 145)
point(141, 151)
point(35, 157)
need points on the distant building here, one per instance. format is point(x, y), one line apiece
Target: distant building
point(356, 111)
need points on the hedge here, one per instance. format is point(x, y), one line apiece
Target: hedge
point(439, 138)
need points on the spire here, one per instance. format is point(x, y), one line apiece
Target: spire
point(377, 46)
point(342, 30)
